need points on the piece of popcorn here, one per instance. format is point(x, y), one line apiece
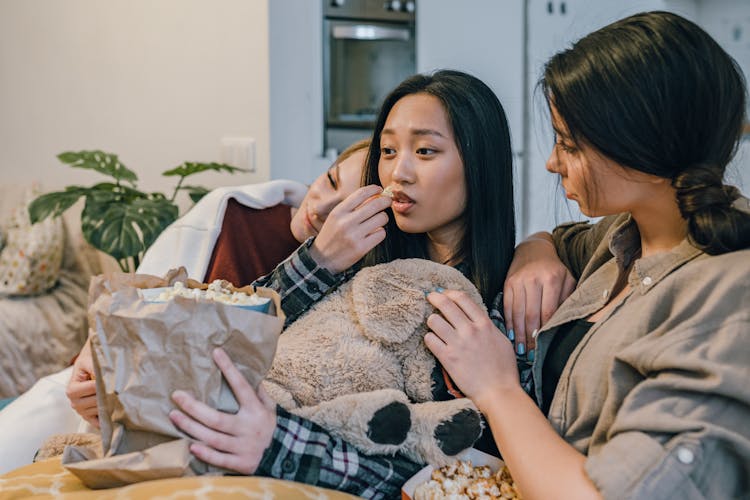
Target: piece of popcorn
point(431, 490)
point(451, 486)
point(482, 471)
point(437, 475)
point(388, 191)
point(464, 468)
point(450, 469)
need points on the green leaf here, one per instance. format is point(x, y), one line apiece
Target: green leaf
point(104, 163)
point(190, 168)
point(125, 230)
point(195, 192)
point(54, 204)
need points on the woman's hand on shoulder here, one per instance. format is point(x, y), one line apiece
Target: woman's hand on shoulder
point(353, 228)
point(478, 357)
point(536, 284)
point(81, 389)
point(232, 441)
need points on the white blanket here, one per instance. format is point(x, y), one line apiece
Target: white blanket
point(189, 241)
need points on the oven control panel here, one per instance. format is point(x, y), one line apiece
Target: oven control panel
point(375, 10)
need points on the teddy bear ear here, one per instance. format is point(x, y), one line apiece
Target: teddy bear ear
point(389, 299)
point(388, 303)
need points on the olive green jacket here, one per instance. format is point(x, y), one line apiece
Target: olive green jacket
point(657, 393)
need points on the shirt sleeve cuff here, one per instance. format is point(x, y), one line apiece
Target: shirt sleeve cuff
point(314, 271)
point(282, 458)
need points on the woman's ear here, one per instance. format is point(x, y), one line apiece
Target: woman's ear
point(388, 303)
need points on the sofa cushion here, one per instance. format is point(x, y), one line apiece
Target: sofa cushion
point(48, 478)
point(31, 258)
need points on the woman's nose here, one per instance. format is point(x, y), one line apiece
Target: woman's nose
point(403, 169)
point(553, 162)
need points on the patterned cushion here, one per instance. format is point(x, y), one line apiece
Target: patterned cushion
point(48, 479)
point(31, 258)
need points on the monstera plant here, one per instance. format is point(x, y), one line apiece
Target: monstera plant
point(117, 218)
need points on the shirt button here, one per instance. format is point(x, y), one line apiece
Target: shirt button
point(685, 456)
point(313, 287)
point(647, 281)
point(287, 465)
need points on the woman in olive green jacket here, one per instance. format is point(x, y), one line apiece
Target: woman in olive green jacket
point(642, 374)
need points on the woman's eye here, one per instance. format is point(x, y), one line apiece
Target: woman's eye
point(426, 151)
point(331, 180)
point(386, 151)
point(568, 149)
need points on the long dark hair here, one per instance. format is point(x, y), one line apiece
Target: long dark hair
point(482, 136)
point(656, 93)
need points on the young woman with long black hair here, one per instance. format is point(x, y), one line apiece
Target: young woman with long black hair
point(442, 145)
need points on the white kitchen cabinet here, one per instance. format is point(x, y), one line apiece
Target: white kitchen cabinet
point(484, 38)
point(481, 37)
point(295, 30)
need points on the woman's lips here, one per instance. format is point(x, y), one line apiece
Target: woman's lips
point(401, 203)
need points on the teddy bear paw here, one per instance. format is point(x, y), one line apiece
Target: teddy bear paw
point(390, 424)
point(458, 433)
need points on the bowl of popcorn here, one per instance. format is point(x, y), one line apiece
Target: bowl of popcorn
point(473, 475)
point(217, 291)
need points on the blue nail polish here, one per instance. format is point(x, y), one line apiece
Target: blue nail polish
point(511, 335)
point(426, 293)
point(521, 349)
point(530, 356)
point(440, 289)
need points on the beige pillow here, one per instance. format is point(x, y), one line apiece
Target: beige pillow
point(31, 258)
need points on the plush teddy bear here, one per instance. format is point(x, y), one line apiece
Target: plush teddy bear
point(356, 364)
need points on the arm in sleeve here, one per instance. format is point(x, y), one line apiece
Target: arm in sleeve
point(682, 431)
point(305, 452)
point(300, 282)
point(576, 242)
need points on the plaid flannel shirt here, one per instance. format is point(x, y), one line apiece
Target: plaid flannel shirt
point(305, 452)
point(301, 282)
point(302, 451)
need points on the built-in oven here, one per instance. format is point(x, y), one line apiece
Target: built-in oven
point(368, 49)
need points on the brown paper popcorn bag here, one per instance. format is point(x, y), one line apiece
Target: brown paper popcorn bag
point(143, 351)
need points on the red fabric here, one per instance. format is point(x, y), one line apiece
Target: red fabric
point(451, 387)
point(251, 243)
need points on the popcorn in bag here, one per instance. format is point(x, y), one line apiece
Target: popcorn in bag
point(145, 350)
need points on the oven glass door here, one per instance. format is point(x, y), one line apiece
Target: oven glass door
point(366, 60)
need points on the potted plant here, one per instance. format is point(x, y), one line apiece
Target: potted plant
point(118, 218)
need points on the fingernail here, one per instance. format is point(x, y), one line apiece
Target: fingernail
point(530, 356)
point(439, 289)
point(426, 293)
point(511, 335)
point(521, 349)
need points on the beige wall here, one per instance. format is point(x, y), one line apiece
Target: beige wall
point(158, 82)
